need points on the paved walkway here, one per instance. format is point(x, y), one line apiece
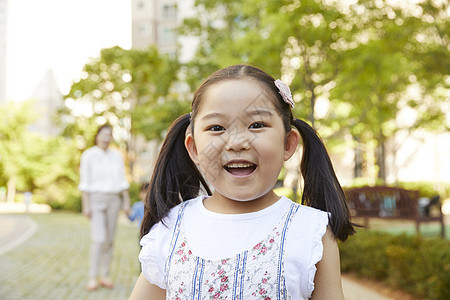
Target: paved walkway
point(45, 257)
point(15, 230)
point(52, 263)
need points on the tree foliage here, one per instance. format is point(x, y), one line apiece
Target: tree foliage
point(368, 59)
point(123, 88)
point(41, 164)
point(133, 90)
point(298, 41)
point(384, 74)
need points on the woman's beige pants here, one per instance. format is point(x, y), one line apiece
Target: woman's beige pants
point(104, 211)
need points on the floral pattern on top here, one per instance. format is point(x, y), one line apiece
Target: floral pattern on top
point(257, 273)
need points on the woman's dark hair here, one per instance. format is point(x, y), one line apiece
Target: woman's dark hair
point(176, 177)
point(100, 129)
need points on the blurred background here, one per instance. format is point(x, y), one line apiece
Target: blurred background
point(371, 76)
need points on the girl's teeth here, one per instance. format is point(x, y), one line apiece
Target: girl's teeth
point(239, 165)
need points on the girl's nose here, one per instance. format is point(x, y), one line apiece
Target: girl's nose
point(238, 141)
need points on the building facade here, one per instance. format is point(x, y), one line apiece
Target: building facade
point(47, 99)
point(154, 23)
point(3, 27)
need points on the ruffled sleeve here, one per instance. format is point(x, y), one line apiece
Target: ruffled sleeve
point(304, 249)
point(155, 248)
point(320, 229)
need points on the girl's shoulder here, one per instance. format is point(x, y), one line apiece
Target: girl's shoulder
point(311, 211)
point(306, 212)
point(163, 229)
point(310, 218)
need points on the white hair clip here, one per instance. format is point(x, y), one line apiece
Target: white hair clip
point(285, 92)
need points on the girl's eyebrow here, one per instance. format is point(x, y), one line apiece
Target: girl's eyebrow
point(252, 113)
point(260, 112)
point(212, 116)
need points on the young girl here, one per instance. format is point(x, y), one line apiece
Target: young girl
point(241, 241)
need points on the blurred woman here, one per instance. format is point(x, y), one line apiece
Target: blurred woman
point(104, 191)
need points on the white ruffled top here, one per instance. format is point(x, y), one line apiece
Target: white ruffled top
point(214, 236)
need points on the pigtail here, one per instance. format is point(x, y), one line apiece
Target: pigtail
point(321, 186)
point(175, 177)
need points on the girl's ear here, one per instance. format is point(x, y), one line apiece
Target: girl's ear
point(189, 143)
point(292, 140)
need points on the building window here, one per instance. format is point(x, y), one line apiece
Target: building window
point(169, 11)
point(142, 4)
point(167, 35)
point(145, 28)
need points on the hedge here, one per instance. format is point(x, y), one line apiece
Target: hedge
point(415, 264)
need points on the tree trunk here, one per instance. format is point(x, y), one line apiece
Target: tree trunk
point(11, 193)
point(359, 160)
point(131, 150)
point(381, 158)
point(313, 104)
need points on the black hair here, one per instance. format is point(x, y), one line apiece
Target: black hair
point(144, 187)
point(100, 128)
point(176, 177)
point(321, 188)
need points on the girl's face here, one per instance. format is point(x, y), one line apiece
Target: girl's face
point(104, 137)
point(239, 141)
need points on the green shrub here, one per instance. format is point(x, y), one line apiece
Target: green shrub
point(425, 188)
point(428, 189)
point(69, 197)
point(418, 265)
point(363, 249)
point(134, 191)
point(60, 196)
point(422, 269)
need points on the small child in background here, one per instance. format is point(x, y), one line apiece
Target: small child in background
point(137, 210)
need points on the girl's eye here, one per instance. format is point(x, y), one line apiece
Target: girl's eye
point(257, 125)
point(216, 128)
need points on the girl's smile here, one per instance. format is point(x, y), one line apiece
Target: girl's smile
point(240, 168)
point(240, 147)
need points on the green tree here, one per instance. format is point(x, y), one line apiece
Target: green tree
point(13, 126)
point(380, 70)
point(43, 165)
point(363, 56)
point(296, 40)
point(131, 89)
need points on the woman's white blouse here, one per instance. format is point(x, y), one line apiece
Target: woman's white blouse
point(102, 171)
point(214, 236)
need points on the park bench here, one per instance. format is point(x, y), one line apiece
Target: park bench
point(393, 203)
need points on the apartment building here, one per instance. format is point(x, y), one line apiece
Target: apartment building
point(47, 100)
point(154, 23)
point(3, 26)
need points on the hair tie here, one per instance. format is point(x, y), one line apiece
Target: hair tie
point(285, 92)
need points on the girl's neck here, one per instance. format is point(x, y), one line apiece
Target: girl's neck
point(218, 203)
